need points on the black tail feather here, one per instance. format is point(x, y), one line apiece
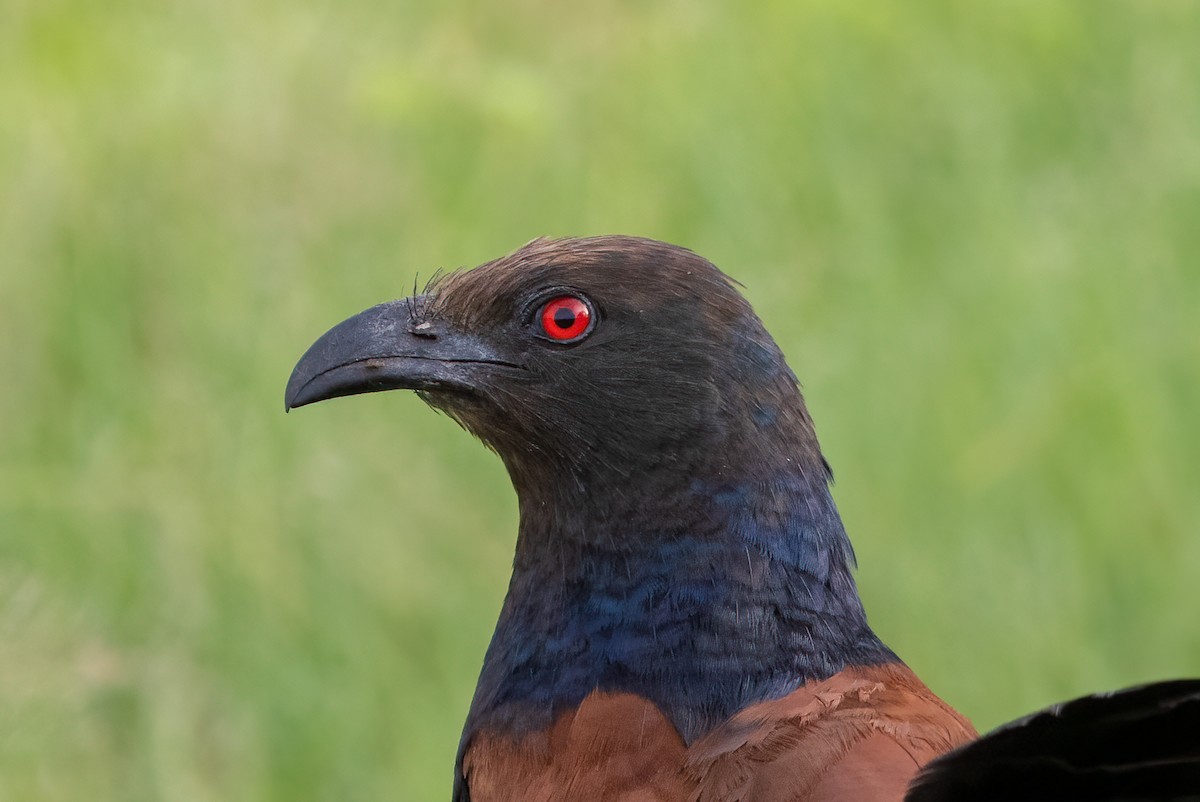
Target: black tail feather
point(1135, 745)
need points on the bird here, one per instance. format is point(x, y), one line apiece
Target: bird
point(682, 621)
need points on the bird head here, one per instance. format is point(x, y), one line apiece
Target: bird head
point(582, 363)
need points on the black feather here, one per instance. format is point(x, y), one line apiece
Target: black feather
point(1135, 745)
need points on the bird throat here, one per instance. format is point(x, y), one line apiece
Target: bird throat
point(703, 599)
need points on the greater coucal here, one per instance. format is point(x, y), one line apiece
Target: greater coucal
point(682, 622)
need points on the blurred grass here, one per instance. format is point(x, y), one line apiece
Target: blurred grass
point(975, 229)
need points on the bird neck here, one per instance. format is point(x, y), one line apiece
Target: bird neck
point(702, 598)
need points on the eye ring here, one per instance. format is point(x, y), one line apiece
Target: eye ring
point(566, 319)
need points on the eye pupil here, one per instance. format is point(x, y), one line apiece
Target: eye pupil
point(565, 318)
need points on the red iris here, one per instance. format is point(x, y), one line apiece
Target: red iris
point(565, 318)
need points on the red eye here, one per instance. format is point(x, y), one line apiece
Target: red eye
point(565, 318)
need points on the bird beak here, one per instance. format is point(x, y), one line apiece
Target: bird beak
point(387, 347)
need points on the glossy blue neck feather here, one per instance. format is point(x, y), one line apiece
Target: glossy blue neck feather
point(747, 595)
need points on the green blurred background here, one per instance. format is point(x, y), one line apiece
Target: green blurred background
point(973, 227)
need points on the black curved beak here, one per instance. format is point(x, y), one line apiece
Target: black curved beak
point(388, 347)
